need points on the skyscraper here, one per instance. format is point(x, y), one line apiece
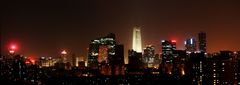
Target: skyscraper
point(101, 50)
point(168, 46)
point(137, 41)
point(190, 45)
point(202, 41)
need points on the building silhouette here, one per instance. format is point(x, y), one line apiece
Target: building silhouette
point(202, 41)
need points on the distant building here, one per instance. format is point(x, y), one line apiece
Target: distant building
point(135, 65)
point(105, 55)
point(168, 46)
point(179, 63)
point(190, 45)
point(202, 41)
point(137, 41)
point(149, 56)
point(46, 61)
point(117, 62)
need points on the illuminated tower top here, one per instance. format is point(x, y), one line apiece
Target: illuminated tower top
point(137, 41)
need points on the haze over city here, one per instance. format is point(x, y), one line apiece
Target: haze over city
point(44, 28)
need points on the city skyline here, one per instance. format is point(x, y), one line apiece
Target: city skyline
point(45, 28)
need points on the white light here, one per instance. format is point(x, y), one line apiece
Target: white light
point(11, 51)
point(163, 40)
point(185, 42)
point(137, 41)
point(191, 41)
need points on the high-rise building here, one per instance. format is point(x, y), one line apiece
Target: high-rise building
point(195, 68)
point(202, 41)
point(168, 46)
point(148, 56)
point(106, 56)
point(221, 69)
point(100, 51)
point(137, 41)
point(190, 45)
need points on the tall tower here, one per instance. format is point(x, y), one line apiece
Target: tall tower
point(137, 41)
point(202, 41)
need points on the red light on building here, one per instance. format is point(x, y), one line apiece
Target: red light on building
point(13, 47)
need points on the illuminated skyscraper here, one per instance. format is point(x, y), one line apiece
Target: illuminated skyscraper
point(106, 56)
point(137, 41)
point(100, 50)
point(190, 45)
point(202, 41)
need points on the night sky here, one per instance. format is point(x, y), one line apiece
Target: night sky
point(45, 27)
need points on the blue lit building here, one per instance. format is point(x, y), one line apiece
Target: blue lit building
point(190, 45)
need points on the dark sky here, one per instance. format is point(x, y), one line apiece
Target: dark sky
point(44, 27)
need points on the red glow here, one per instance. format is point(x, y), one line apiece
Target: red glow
point(13, 47)
point(32, 61)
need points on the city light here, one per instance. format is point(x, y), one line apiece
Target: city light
point(64, 52)
point(11, 51)
point(32, 61)
point(174, 41)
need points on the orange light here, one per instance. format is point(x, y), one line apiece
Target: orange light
point(32, 61)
